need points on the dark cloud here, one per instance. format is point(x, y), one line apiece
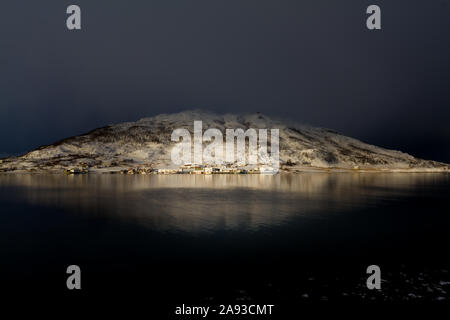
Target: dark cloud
point(313, 61)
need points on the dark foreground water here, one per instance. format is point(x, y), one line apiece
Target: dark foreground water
point(283, 240)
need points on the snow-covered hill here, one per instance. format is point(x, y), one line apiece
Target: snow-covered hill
point(147, 143)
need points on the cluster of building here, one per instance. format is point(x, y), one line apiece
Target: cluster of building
point(203, 169)
point(187, 169)
point(77, 170)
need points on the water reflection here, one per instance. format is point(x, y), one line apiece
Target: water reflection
point(220, 202)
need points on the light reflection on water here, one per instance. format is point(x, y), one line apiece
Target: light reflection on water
point(191, 203)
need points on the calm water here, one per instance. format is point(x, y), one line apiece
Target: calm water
point(181, 237)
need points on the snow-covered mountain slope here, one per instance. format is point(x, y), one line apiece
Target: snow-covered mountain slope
point(147, 143)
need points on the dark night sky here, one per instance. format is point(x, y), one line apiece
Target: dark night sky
point(313, 61)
